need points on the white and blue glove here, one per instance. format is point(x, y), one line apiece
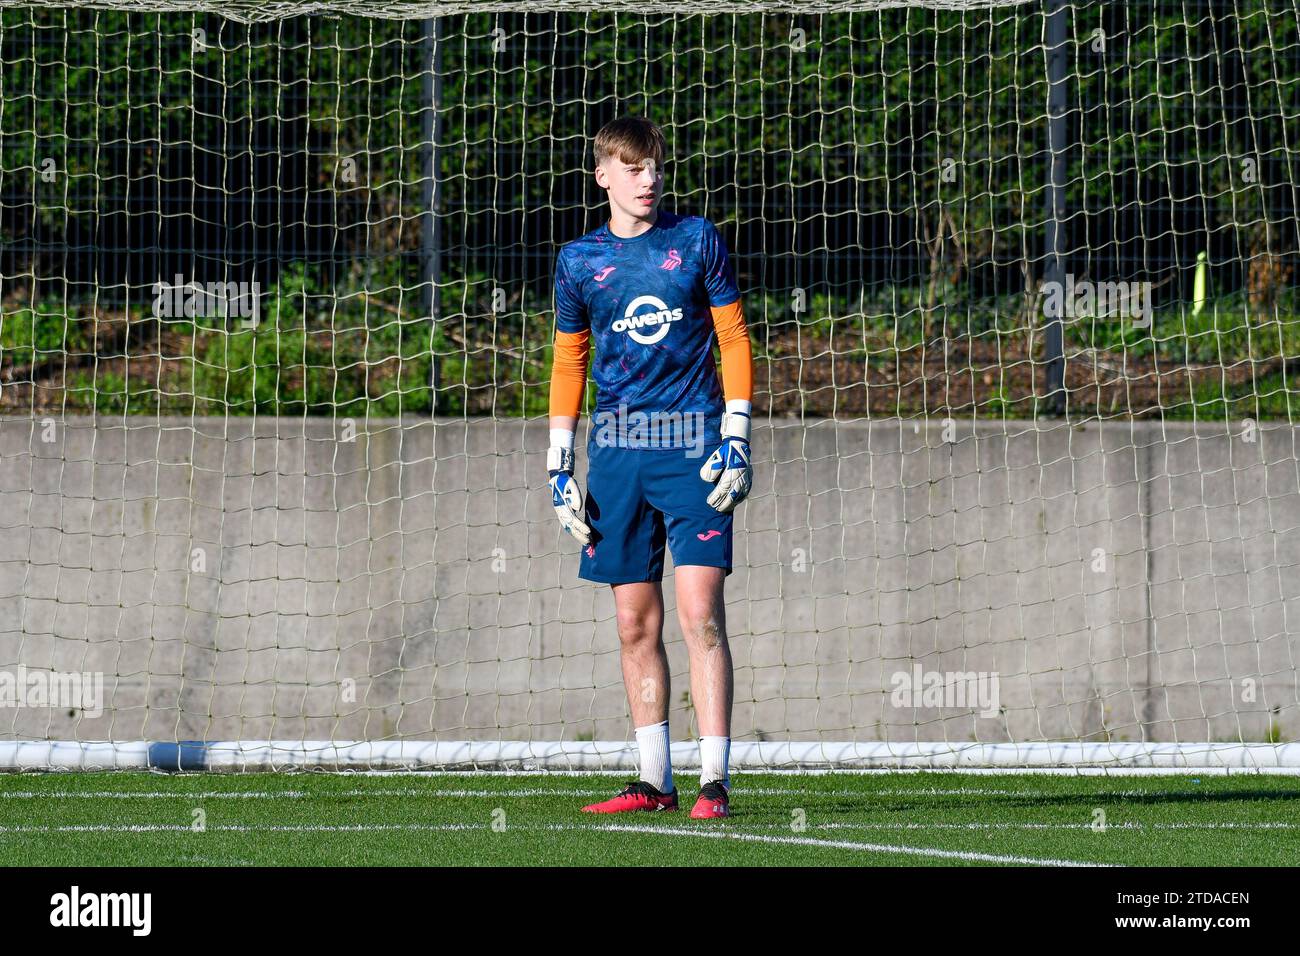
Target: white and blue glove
point(566, 496)
point(728, 467)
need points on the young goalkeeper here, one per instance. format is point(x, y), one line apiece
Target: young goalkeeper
point(654, 289)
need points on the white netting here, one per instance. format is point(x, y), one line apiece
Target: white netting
point(324, 518)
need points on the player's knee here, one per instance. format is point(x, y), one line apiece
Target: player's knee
point(636, 628)
point(704, 632)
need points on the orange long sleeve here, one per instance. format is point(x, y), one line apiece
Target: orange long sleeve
point(569, 371)
point(737, 357)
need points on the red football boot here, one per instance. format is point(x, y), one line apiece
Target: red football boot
point(712, 804)
point(637, 795)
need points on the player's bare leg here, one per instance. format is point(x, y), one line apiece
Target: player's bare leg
point(702, 614)
point(701, 611)
point(639, 608)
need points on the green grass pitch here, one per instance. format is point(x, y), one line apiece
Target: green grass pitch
point(841, 819)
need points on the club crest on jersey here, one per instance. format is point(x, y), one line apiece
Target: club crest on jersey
point(657, 321)
point(672, 262)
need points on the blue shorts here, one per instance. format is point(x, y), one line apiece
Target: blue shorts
point(640, 498)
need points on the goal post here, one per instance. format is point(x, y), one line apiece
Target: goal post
point(275, 342)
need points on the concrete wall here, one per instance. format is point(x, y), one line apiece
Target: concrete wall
point(422, 563)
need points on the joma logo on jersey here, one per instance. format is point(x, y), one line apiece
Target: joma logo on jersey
point(632, 323)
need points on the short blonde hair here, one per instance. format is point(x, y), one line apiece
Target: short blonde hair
point(630, 139)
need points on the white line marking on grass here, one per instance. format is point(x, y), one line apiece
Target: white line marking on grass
point(154, 794)
point(848, 771)
point(739, 790)
point(438, 827)
point(931, 852)
point(541, 772)
point(241, 828)
point(558, 827)
point(290, 794)
point(492, 794)
point(1129, 825)
point(538, 792)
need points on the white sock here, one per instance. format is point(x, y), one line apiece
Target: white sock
point(714, 752)
point(656, 762)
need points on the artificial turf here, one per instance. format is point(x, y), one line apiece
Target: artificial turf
point(859, 819)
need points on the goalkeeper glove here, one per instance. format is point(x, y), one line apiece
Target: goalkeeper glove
point(729, 465)
point(566, 496)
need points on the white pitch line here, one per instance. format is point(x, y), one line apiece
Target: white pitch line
point(931, 852)
point(534, 792)
point(447, 827)
point(741, 772)
point(153, 795)
point(900, 792)
point(1128, 825)
point(1010, 826)
point(415, 792)
point(961, 792)
point(739, 790)
point(288, 794)
point(616, 828)
point(240, 828)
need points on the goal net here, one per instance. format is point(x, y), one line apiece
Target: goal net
point(275, 340)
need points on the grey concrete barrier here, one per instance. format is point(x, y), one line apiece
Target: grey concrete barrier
point(274, 579)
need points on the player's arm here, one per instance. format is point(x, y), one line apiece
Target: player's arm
point(568, 380)
point(737, 359)
point(729, 468)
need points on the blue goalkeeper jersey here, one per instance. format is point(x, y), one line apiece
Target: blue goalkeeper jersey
point(646, 301)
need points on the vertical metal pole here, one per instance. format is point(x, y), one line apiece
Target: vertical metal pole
point(430, 259)
point(1057, 132)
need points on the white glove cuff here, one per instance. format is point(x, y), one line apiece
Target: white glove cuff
point(735, 423)
point(559, 459)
